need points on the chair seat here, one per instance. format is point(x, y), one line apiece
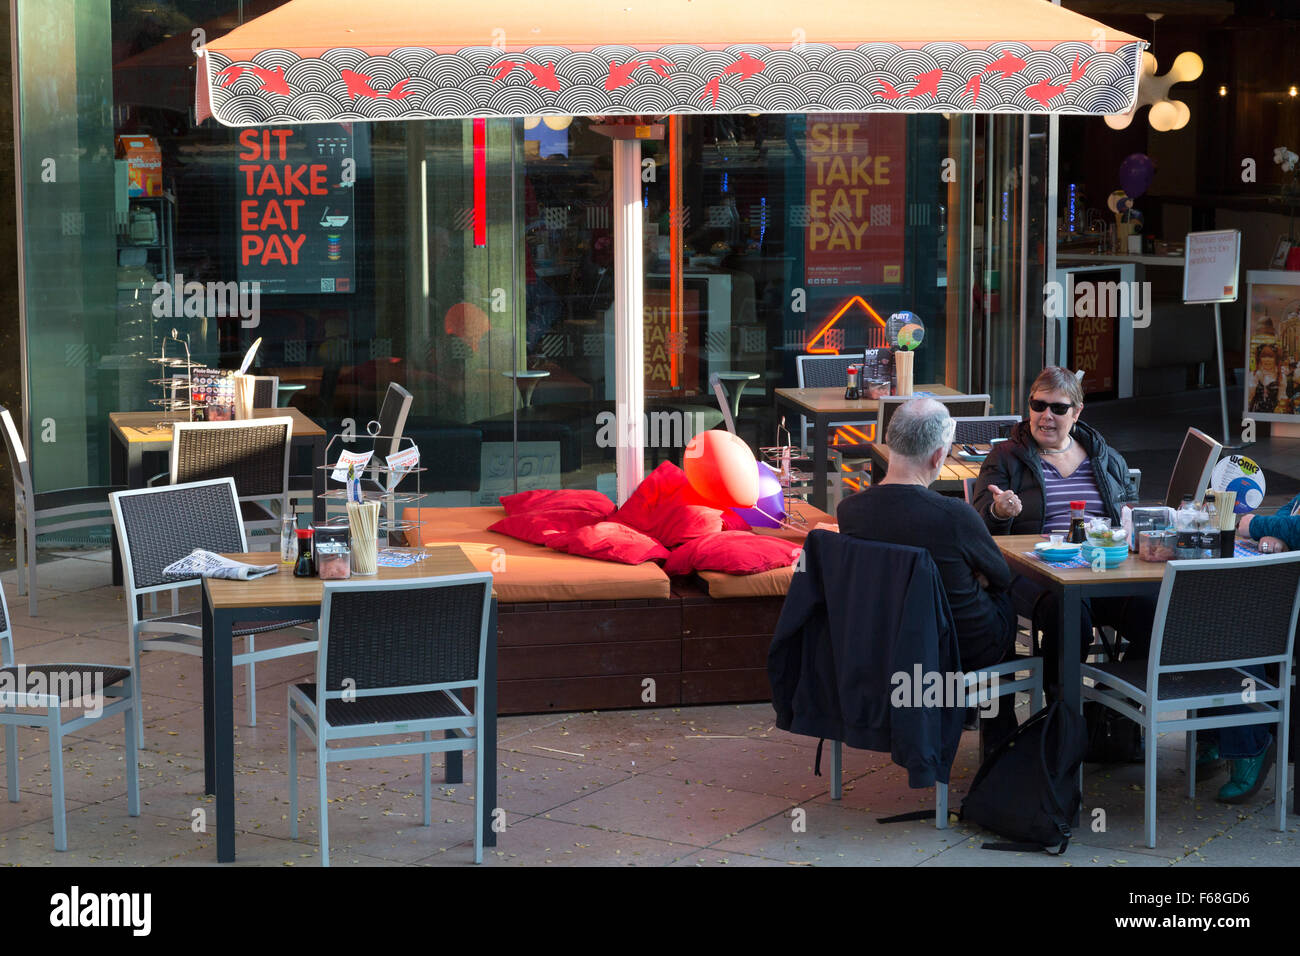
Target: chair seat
point(386, 708)
point(73, 497)
point(1223, 681)
point(86, 675)
point(241, 629)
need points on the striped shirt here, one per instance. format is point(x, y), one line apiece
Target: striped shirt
point(1058, 492)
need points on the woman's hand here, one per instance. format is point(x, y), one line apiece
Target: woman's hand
point(1271, 545)
point(1006, 504)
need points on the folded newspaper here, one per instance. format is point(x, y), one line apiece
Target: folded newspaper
point(206, 564)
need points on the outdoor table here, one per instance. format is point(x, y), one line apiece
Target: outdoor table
point(283, 597)
point(1072, 585)
point(954, 472)
point(822, 406)
point(134, 433)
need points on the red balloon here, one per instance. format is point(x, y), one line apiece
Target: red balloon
point(721, 469)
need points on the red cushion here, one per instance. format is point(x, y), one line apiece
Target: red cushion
point(609, 541)
point(665, 507)
point(661, 485)
point(567, 499)
point(679, 523)
point(733, 552)
point(538, 526)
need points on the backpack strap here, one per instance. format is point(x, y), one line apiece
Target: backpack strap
point(817, 761)
point(910, 815)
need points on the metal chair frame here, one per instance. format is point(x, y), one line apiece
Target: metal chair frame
point(1144, 705)
point(183, 636)
point(310, 711)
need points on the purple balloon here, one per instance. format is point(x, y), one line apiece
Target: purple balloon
point(770, 507)
point(1136, 173)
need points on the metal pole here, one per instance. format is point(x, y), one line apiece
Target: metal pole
point(629, 342)
point(514, 312)
point(1223, 384)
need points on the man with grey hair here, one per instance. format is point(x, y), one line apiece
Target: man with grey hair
point(901, 509)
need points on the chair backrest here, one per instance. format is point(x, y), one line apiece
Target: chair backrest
point(968, 489)
point(404, 636)
point(1192, 470)
point(1229, 611)
point(266, 391)
point(157, 526)
point(255, 453)
point(18, 461)
point(824, 371)
point(959, 406)
point(6, 634)
point(984, 428)
point(1135, 479)
point(392, 420)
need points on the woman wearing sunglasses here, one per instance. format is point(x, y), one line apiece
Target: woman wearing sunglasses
point(1026, 486)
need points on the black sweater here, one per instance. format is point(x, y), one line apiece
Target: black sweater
point(961, 547)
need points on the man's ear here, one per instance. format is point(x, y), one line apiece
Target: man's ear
point(937, 457)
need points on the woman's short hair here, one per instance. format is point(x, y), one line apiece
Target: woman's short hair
point(1057, 379)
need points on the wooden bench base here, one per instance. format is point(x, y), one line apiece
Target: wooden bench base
point(603, 655)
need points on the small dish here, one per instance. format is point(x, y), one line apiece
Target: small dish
point(1055, 546)
point(1064, 553)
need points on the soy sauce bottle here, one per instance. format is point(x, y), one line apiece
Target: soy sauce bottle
point(306, 566)
point(1078, 523)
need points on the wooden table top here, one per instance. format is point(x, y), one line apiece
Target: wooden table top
point(954, 469)
point(832, 399)
point(284, 590)
point(141, 427)
point(1014, 546)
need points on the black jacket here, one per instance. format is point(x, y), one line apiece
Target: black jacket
point(861, 624)
point(1014, 465)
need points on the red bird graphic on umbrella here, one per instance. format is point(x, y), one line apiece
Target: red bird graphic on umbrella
point(926, 83)
point(620, 76)
point(1006, 64)
point(272, 80)
point(746, 66)
point(711, 89)
point(973, 87)
point(230, 74)
point(1043, 91)
point(543, 76)
point(887, 91)
point(1077, 71)
point(358, 84)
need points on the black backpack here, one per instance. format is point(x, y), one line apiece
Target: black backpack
point(1028, 787)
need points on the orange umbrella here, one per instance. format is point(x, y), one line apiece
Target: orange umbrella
point(339, 60)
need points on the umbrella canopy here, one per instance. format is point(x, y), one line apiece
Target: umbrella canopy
point(315, 61)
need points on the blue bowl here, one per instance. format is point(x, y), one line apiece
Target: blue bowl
point(1058, 554)
point(1113, 556)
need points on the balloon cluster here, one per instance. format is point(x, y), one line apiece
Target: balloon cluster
point(724, 473)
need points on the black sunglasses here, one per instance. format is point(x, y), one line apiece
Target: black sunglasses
point(1058, 408)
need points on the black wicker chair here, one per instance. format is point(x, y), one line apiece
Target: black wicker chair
point(392, 654)
point(45, 512)
point(266, 391)
point(157, 526)
point(959, 406)
point(983, 429)
point(1214, 617)
point(824, 371)
point(254, 453)
point(41, 692)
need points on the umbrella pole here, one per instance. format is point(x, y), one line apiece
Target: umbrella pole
point(629, 339)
